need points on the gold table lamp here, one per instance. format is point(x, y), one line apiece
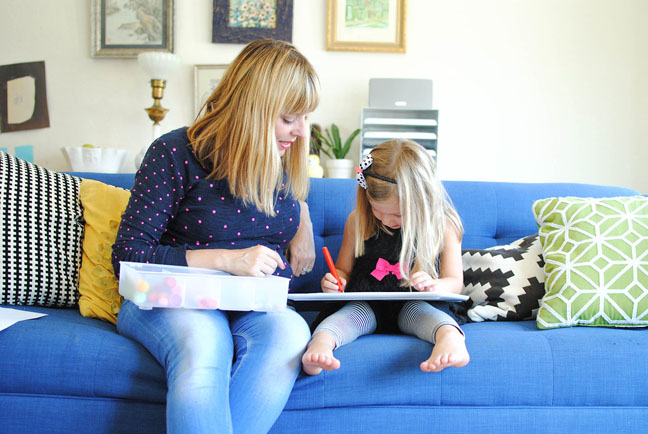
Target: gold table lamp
point(159, 66)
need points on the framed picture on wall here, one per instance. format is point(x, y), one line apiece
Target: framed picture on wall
point(206, 78)
point(360, 25)
point(24, 97)
point(242, 21)
point(125, 28)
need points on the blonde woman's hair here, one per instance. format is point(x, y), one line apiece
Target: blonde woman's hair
point(425, 207)
point(234, 135)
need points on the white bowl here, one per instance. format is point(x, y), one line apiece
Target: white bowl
point(105, 160)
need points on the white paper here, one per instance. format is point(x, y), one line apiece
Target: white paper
point(9, 317)
point(348, 296)
point(21, 99)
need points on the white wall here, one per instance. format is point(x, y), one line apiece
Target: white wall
point(528, 90)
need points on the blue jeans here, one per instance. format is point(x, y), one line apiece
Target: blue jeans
point(226, 371)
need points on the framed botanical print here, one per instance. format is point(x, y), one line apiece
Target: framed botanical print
point(125, 28)
point(206, 78)
point(361, 25)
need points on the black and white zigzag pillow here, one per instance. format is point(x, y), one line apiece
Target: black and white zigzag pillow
point(42, 230)
point(504, 283)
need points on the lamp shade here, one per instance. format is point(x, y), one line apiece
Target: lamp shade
point(159, 66)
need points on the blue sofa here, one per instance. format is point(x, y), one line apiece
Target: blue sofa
point(66, 373)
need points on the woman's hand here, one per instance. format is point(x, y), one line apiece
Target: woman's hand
point(257, 261)
point(329, 284)
point(301, 249)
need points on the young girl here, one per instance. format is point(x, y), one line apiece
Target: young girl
point(403, 234)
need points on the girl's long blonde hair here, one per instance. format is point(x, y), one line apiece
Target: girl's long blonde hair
point(234, 134)
point(424, 205)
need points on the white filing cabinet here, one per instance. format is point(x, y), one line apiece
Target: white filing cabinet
point(382, 124)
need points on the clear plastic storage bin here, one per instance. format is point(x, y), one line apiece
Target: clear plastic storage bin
point(155, 285)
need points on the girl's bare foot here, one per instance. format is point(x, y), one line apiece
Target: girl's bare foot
point(449, 350)
point(319, 354)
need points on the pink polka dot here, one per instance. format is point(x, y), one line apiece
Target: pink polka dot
point(224, 226)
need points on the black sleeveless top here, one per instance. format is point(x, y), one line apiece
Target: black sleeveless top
point(377, 268)
point(365, 278)
point(381, 246)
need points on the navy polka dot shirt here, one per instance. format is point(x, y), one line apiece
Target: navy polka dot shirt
point(174, 207)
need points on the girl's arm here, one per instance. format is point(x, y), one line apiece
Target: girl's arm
point(345, 258)
point(451, 272)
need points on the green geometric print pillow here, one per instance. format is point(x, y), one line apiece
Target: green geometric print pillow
point(596, 261)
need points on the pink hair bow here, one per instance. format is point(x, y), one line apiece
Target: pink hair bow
point(383, 268)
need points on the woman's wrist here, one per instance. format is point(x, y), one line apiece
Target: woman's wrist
point(215, 259)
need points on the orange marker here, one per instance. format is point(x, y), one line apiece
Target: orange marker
point(331, 266)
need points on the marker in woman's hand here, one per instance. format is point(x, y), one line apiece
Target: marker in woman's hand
point(331, 266)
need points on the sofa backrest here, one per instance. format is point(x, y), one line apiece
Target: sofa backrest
point(493, 213)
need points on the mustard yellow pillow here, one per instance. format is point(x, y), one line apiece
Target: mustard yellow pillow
point(103, 206)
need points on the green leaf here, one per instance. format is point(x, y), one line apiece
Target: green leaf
point(332, 140)
point(347, 144)
point(318, 146)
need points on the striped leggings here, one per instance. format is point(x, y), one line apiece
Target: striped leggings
point(356, 319)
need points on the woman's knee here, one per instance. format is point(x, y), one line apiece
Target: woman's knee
point(284, 331)
point(289, 327)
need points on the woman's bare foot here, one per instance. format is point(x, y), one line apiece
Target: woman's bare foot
point(449, 350)
point(319, 354)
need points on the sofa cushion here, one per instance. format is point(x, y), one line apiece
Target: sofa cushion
point(504, 282)
point(40, 244)
point(512, 364)
point(596, 261)
point(103, 206)
point(65, 354)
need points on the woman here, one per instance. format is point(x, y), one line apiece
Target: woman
point(227, 193)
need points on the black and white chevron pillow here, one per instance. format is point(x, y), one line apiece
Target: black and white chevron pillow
point(41, 230)
point(504, 283)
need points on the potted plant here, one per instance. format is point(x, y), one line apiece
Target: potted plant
point(330, 143)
